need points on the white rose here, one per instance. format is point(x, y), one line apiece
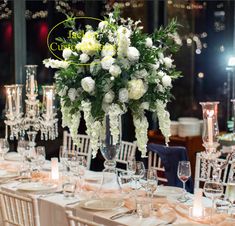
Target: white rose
point(166, 80)
point(124, 31)
point(84, 58)
point(66, 53)
point(136, 89)
point(123, 95)
point(108, 97)
point(107, 62)
point(133, 54)
point(115, 70)
point(168, 62)
point(148, 42)
point(102, 25)
point(108, 50)
point(88, 84)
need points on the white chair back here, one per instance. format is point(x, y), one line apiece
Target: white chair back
point(204, 169)
point(77, 221)
point(127, 151)
point(18, 210)
point(155, 162)
point(83, 149)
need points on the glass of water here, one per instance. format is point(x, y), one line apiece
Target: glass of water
point(69, 186)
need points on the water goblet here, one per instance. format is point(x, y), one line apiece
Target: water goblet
point(213, 189)
point(184, 173)
point(125, 181)
point(41, 156)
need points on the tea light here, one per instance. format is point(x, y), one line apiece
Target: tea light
point(54, 169)
point(197, 210)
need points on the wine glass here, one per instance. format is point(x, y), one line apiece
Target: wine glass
point(213, 189)
point(137, 171)
point(125, 180)
point(63, 154)
point(152, 181)
point(184, 172)
point(21, 147)
point(230, 192)
point(4, 147)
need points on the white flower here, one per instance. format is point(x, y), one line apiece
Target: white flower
point(148, 42)
point(141, 74)
point(136, 89)
point(108, 50)
point(166, 80)
point(115, 70)
point(63, 91)
point(123, 95)
point(145, 105)
point(124, 31)
point(156, 65)
point(88, 84)
point(133, 54)
point(55, 63)
point(72, 93)
point(124, 63)
point(168, 62)
point(108, 97)
point(84, 58)
point(107, 62)
point(161, 73)
point(66, 53)
point(160, 55)
point(102, 25)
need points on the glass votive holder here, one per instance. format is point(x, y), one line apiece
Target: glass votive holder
point(197, 213)
point(143, 207)
point(222, 205)
point(69, 189)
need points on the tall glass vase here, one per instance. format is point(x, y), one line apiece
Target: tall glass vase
point(210, 126)
point(110, 147)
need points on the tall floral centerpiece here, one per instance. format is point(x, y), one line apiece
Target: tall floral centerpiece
point(111, 69)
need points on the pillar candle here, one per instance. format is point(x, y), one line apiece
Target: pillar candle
point(17, 101)
point(49, 104)
point(32, 84)
point(197, 210)
point(10, 103)
point(54, 169)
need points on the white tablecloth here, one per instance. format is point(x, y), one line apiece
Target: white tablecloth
point(52, 211)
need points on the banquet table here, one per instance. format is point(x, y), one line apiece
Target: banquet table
point(52, 208)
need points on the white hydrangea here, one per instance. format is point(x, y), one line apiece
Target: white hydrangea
point(55, 63)
point(124, 63)
point(72, 94)
point(108, 50)
point(107, 62)
point(115, 70)
point(123, 95)
point(114, 115)
point(168, 62)
point(84, 58)
point(164, 119)
point(141, 74)
point(141, 133)
point(66, 53)
point(133, 54)
point(166, 80)
point(88, 84)
point(136, 89)
point(109, 97)
point(148, 42)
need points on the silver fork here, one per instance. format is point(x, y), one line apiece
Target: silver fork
point(167, 222)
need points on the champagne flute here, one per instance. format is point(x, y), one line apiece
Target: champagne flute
point(184, 173)
point(213, 189)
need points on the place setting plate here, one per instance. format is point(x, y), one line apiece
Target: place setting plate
point(168, 191)
point(4, 174)
point(13, 156)
point(36, 187)
point(102, 204)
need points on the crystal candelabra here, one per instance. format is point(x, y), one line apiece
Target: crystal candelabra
point(210, 138)
point(36, 118)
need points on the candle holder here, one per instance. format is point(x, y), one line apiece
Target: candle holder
point(33, 120)
point(210, 129)
point(197, 214)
